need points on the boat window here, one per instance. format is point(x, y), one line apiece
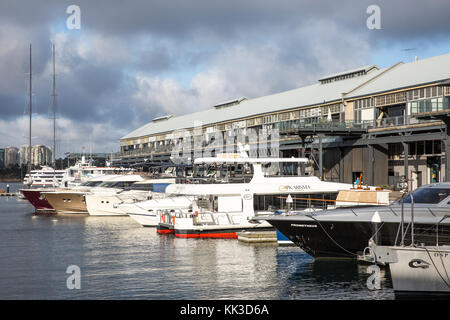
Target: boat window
point(428, 195)
point(91, 183)
point(106, 184)
point(140, 187)
point(272, 202)
point(280, 169)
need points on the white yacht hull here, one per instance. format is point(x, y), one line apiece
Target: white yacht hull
point(103, 205)
point(146, 220)
point(421, 270)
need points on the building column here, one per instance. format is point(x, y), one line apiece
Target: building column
point(320, 159)
point(371, 169)
point(341, 165)
point(302, 155)
point(405, 162)
point(447, 149)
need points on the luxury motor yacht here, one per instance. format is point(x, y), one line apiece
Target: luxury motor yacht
point(107, 203)
point(75, 175)
point(40, 203)
point(345, 232)
point(222, 209)
point(358, 196)
point(73, 200)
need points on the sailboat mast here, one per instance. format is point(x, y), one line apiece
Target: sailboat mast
point(31, 89)
point(54, 109)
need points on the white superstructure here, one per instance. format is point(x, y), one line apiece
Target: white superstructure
point(73, 176)
point(45, 177)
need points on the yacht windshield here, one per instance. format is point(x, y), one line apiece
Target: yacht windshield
point(140, 186)
point(106, 184)
point(428, 195)
point(116, 184)
point(91, 183)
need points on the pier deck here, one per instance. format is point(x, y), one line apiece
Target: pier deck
point(257, 236)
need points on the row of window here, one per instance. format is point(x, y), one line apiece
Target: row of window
point(343, 77)
point(363, 103)
point(418, 148)
point(429, 105)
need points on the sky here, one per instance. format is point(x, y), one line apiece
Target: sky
point(132, 61)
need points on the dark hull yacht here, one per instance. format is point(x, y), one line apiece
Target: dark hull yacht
point(345, 233)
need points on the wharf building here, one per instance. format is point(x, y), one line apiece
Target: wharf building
point(388, 124)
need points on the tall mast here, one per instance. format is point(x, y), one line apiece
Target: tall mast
point(54, 109)
point(31, 89)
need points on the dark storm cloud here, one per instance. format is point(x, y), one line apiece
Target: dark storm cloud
point(178, 18)
point(155, 59)
point(241, 48)
point(9, 106)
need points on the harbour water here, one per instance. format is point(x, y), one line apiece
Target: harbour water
point(119, 259)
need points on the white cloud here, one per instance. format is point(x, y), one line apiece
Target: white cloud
point(254, 70)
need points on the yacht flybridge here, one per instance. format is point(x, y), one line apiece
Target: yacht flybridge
point(222, 209)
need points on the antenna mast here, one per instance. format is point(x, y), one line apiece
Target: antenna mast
point(54, 109)
point(29, 150)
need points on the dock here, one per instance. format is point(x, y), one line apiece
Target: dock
point(257, 236)
point(4, 194)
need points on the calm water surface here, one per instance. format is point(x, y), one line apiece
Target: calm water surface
point(119, 259)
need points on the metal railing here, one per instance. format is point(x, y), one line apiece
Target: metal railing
point(286, 126)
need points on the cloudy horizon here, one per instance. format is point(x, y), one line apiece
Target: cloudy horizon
point(131, 62)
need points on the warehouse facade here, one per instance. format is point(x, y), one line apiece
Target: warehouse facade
point(386, 124)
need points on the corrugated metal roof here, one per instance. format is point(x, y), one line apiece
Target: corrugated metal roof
point(305, 96)
point(408, 75)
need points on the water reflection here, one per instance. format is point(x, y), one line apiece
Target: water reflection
point(119, 259)
point(333, 280)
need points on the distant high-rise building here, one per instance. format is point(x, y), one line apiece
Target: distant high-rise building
point(2, 158)
point(40, 155)
point(11, 156)
point(24, 154)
